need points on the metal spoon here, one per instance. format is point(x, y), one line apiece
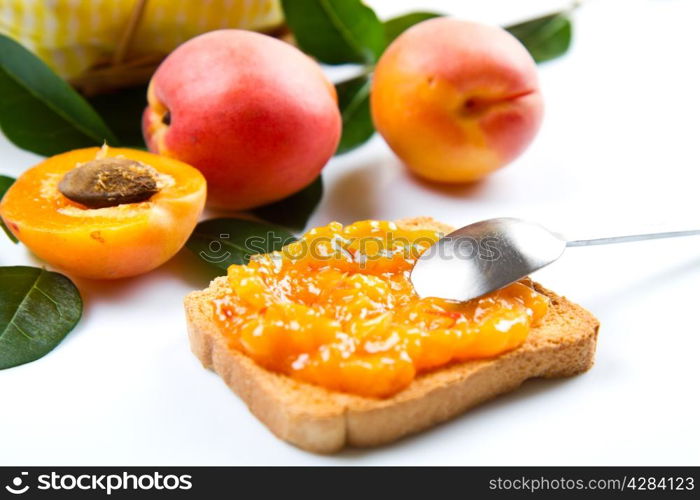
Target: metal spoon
point(488, 255)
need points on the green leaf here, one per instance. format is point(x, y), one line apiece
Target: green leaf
point(39, 111)
point(5, 183)
point(37, 310)
point(294, 212)
point(397, 25)
point(226, 241)
point(122, 111)
point(353, 99)
point(546, 37)
point(336, 31)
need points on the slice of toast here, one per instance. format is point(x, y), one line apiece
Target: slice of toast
point(324, 421)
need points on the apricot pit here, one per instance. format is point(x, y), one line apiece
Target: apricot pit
point(108, 182)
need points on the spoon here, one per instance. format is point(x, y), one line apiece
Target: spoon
point(488, 255)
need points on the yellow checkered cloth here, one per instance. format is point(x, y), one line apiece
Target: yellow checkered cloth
point(74, 35)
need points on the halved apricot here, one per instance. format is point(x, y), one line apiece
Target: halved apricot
point(122, 237)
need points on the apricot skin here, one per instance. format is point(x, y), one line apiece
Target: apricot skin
point(105, 243)
point(456, 100)
point(255, 115)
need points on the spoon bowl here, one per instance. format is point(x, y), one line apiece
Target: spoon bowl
point(483, 257)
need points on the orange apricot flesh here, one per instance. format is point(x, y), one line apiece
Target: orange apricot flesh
point(110, 242)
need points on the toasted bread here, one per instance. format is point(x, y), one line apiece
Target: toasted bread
point(324, 421)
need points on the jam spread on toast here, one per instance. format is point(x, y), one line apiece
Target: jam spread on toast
point(336, 309)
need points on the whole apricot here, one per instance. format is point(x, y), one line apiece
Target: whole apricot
point(255, 115)
point(105, 213)
point(456, 100)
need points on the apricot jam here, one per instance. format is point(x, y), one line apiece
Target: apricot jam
point(337, 309)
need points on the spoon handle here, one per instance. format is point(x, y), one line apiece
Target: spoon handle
point(631, 237)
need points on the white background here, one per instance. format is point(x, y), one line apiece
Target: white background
point(618, 151)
